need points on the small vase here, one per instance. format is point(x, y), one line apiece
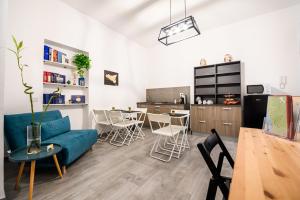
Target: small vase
point(81, 81)
point(33, 139)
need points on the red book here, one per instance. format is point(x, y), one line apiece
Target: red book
point(45, 77)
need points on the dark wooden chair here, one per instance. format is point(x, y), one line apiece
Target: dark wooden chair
point(217, 180)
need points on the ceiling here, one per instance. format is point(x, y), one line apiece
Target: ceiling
point(141, 20)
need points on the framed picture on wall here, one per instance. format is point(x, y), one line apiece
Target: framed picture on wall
point(111, 78)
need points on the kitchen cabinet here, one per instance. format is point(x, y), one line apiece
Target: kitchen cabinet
point(225, 119)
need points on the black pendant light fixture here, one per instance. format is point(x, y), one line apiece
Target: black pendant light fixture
point(180, 30)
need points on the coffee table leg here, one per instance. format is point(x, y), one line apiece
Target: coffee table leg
point(32, 173)
point(57, 165)
point(19, 175)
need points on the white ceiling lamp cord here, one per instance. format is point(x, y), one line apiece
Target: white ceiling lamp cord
point(171, 10)
point(184, 8)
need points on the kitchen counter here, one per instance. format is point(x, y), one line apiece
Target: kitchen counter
point(160, 103)
point(237, 105)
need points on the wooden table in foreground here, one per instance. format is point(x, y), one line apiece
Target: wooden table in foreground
point(266, 167)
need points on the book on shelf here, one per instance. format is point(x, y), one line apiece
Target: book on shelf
point(55, 55)
point(58, 100)
point(46, 52)
point(59, 57)
point(50, 77)
point(77, 99)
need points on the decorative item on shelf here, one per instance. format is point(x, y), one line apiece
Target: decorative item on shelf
point(83, 64)
point(203, 62)
point(204, 102)
point(78, 98)
point(209, 102)
point(111, 78)
point(230, 99)
point(129, 109)
point(81, 81)
point(228, 58)
point(70, 101)
point(198, 100)
point(34, 129)
point(74, 76)
point(69, 82)
point(113, 108)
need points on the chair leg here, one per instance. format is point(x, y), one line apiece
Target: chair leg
point(212, 190)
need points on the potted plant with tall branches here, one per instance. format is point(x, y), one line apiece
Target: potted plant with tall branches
point(34, 129)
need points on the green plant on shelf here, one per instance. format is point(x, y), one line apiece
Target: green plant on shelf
point(82, 62)
point(18, 47)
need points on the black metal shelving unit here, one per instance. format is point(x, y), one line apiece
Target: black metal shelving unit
point(212, 82)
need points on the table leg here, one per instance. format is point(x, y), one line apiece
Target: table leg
point(32, 173)
point(19, 175)
point(57, 165)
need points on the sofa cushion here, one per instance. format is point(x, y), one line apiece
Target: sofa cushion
point(15, 126)
point(74, 143)
point(55, 127)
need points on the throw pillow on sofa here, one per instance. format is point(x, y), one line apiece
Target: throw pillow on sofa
point(56, 127)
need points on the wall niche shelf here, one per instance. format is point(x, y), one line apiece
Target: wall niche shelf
point(64, 85)
point(71, 104)
point(212, 82)
point(57, 64)
point(58, 69)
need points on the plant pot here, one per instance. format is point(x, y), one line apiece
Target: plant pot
point(81, 81)
point(33, 139)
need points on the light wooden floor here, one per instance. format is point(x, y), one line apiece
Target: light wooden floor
point(128, 172)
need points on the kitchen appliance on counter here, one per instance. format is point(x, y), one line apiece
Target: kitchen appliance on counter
point(182, 98)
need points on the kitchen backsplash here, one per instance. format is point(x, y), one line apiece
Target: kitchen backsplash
point(167, 94)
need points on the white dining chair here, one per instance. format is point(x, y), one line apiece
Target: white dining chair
point(122, 128)
point(183, 126)
point(103, 125)
point(139, 121)
point(165, 130)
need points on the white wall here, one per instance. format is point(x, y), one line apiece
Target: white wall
point(268, 45)
point(33, 20)
point(3, 19)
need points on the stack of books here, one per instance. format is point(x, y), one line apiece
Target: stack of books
point(50, 77)
point(53, 55)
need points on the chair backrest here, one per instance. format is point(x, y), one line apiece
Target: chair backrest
point(100, 116)
point(115, 116)
point(207, 146)
point(141, 116)
point(186, 120)
point(161, 119)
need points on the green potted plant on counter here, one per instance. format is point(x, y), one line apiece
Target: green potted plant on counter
point(33, 130)
point(83, 64)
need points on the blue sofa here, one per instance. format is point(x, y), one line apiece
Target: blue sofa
point(55, 129)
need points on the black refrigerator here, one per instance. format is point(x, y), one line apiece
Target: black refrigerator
point(255, 109)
